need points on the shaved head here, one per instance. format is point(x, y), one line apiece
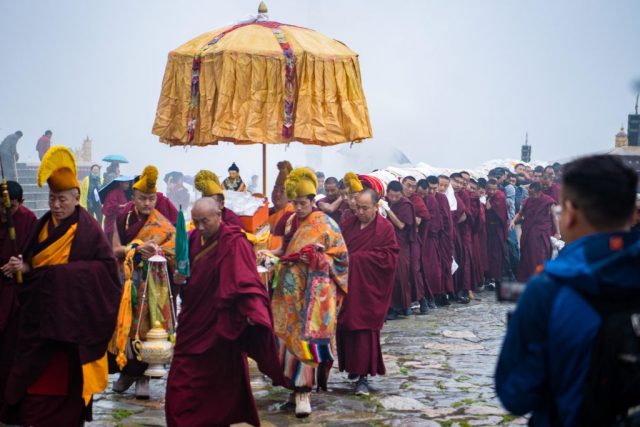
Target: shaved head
point(207, 205)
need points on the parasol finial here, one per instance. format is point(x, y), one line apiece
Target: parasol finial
point(262, 8)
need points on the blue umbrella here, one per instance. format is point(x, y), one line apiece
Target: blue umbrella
point(115, 158)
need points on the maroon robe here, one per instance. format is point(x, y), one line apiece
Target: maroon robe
point(446, 242)
point(231, 218)
point(111, 209)
point(418, 287)
point(553, 191)
point(497, 225)
point(337, 214)
point(373, 256)
point(482, 236)
point(477, 267)
point(24, 222)
point(209, 383)
point(537, 229)
point(66, 318)
point(401, 297)
point(431, 260)
point(463, 243)
point(163, 205)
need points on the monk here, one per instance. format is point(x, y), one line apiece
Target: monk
point(68, 307)
point(419, 290)
point(478, 215)
point(373, 255)
point(280, 202)
point(352, 186)
point(550, 187)
point(141, 233)
point(497, 224)
point(307, 298)
point(163, 205)
point(462, 219)
point(114, 204)
point(209, 185)
point(446, 240)
point(225, 317)
point(431, 259)
point(539, 223)
point(24, 222)
point(401, 214)
point(333, 204)
point(482, 194)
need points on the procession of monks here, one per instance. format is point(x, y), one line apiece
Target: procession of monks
point(76, 302)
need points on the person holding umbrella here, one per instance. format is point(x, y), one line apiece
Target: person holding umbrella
point(113, 170)
point(89, 197)
point(114, 195)
point(176, 191)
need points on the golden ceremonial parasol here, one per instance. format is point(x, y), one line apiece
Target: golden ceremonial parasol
point(262, 82)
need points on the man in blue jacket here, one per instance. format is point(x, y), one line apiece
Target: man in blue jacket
point(547, 351)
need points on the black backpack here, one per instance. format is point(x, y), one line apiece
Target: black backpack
point(612, 385)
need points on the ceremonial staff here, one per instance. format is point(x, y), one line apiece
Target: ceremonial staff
point(12, 229)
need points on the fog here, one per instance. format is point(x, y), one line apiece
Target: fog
point(450, 83)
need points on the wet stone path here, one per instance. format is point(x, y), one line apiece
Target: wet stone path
point(439, 373)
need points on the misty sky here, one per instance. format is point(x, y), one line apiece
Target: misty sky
point(449, 82)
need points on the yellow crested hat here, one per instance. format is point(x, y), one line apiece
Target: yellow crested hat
point(147, 181)
point(352, 183)
point(301, 182)
point(207, 183)
point(58, 169)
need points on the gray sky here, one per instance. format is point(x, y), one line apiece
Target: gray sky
point(449, 82)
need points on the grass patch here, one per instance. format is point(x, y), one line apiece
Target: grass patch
point(464, 390)
point(441, 386)
point(463, 378)
point(404, 370)
point(464, 423)
point(121, 414)
point(405, 386)
point(507, 418)
point(462, 402)
point(446, 423)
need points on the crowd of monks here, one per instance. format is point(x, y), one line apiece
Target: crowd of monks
point(77, 300)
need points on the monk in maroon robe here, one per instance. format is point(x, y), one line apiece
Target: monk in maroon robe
point(477, 267)
point(225, 317)
point(66, 317)
point(333, 204)
point(445, 239)
point(497, 225)
point(419, 291)
point(539, 223)
point(24, 222)
point(113, 206)
point(431, 259)
point(373, 256)
point(401, 214)
point(462, 218)
point(163, 205)
point(550, 188)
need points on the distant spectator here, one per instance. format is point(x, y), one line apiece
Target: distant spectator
point(89, 198)
point(9, 154)
point(112, 172)
point(320, 176)
point(44, 143)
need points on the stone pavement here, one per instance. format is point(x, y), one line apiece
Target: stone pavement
point(439, 373)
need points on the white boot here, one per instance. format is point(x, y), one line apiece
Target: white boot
point(142, 388)
point(303, 405)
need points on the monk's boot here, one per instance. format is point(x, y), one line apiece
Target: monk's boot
point(462, 297)
point(123, 383)
point(303, 404)
point(392, 315)
point(424, 307)
point(362, 386)
point(142, 388)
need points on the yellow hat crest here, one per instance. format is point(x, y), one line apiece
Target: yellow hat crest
point(58, 169)
point(301, 182)
point(147, 181)
point(352, 183)
point(207, 183)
